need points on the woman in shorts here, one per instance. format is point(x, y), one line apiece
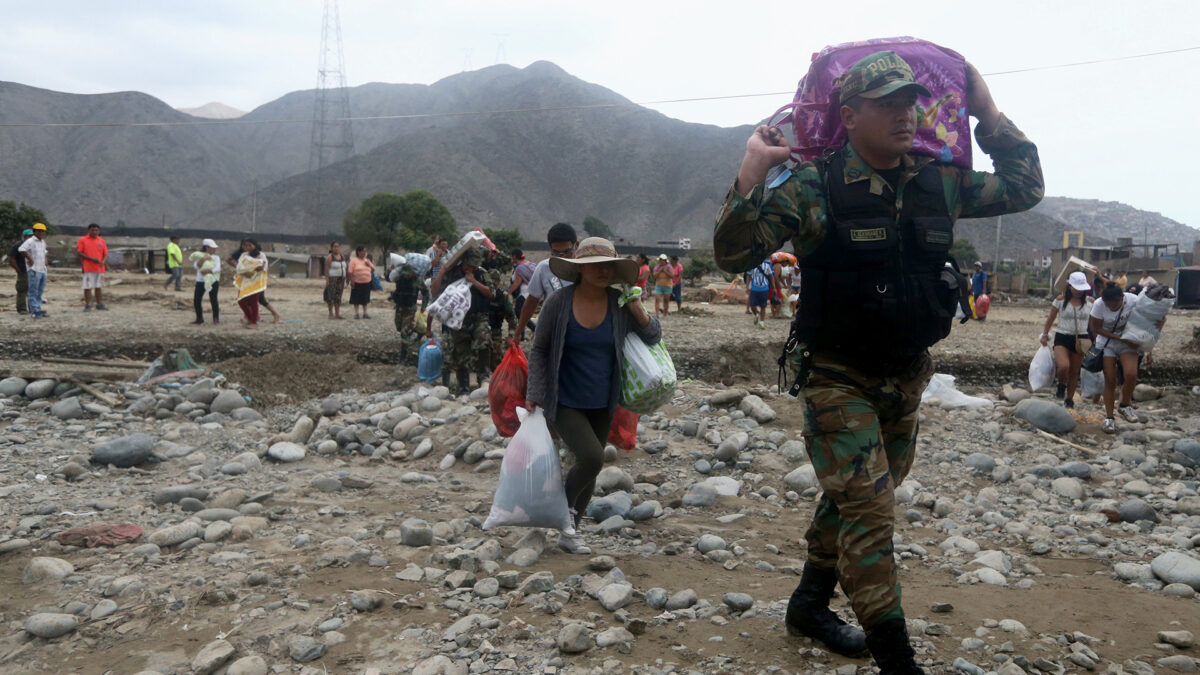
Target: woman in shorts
point(1073, 309)
point(664, 279)
point(1108, 320)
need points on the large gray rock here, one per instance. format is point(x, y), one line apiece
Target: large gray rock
point(1134, 510)
point(801, 478)
point(13, 386)
point(726, 397)
point(615, 596)
point(1045, 415)
point(682, 600)
point(227, 401)
point(286, 452)
point(67, 409)
point(415, 532)
point(301, 430)
point(248, 665)
point(613, 478)
point(125, 451)
point(51, 625)
point(304, 649)
point(212, 656)
point(615, 504)
point(574, 638)
point(700, 495)
point(174, 493)
point(756, 409)
point(1187, 452)
point(41, 569)
point(40, 389)
point(175, 534)
point(1174, 567)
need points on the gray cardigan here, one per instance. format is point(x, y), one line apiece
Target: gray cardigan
point(548, 339)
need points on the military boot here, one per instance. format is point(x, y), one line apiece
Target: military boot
point(808, 614)
point(888, 642)
point(464, 381)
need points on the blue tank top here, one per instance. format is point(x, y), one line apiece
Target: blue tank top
point(588, 360)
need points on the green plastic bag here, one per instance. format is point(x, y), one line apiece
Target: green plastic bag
point(648, 380)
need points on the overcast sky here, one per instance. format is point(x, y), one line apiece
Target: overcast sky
point(1114, 131)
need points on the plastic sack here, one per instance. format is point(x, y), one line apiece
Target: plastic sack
point(648, 380)
point(473, 238)
point(1090, 384)
point(506, 391)
point(429, 362)
point(982, 305)
point(1140, 327)
point(451, 306)
point(623, 430)
point(530, 492)
point(421, 322)
point(943, 127)
point(941, 387)
point(1041, 369)
point(376, 282)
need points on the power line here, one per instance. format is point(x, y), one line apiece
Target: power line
point(509, 111)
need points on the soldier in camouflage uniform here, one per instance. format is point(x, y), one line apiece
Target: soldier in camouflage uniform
point(863, 366)
point(500, 310)
point(408, 287)
point(469, 347)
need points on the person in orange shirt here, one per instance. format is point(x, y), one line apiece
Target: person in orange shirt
point(92, 253)
point(361, 269)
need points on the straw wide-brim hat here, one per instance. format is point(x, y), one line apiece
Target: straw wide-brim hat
point(595, 250)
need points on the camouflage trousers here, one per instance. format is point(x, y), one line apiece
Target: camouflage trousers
point(861, 433)
point(405, 325)
point(470, 347)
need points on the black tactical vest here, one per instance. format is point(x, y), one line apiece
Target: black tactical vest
point(877, 291)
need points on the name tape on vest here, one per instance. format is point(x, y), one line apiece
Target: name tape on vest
point(875, 234)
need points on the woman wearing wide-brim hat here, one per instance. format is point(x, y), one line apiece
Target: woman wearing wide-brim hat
point(576, 362)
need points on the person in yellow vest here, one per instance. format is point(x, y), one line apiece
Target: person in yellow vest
point(174, 263)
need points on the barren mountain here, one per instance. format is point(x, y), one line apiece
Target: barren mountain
point(214, 110)
point(501, 147)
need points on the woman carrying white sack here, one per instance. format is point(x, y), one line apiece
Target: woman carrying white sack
point(576, 361)
point(1073, 310)
point(1109, 318)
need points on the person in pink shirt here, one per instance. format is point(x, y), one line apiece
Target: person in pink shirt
point(677, 278)
point(93, 251)
point(361, 271)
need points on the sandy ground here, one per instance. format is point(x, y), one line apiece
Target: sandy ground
point(710, 342)
point(306, 356)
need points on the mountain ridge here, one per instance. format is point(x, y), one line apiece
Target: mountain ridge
point(576, 149)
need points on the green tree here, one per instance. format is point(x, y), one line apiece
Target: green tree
point(505, 240)
point(964, 252)
point(594, 227)
point(697, 267)
point(17, 217)
point(386, 219)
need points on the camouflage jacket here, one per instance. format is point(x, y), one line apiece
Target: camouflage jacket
point(751, 228)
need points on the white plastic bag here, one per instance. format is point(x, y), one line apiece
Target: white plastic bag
point(941, 388)
point(648, 380)
point(471, 239)
point(1090, 384)
point(530, 492)
point(1041, 369)
point(451, 306)
point(1141, 328)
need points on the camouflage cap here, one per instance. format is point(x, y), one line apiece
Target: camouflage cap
point(878, 75)
point(472, 257)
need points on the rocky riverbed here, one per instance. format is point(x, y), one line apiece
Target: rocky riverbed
point(343, 534)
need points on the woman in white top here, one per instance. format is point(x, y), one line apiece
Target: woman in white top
point(1109, 317)
point(336, 271)
point(1073, 310)
point(208, 279)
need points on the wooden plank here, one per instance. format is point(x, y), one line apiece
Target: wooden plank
point(96, 362)
point(112, 402)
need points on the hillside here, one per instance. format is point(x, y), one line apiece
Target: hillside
point(471, 139)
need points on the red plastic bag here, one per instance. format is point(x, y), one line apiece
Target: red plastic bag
point(982, 305)
point(623, 432)
point(506, 391)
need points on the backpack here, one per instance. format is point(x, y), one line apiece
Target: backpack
point(943, 125)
